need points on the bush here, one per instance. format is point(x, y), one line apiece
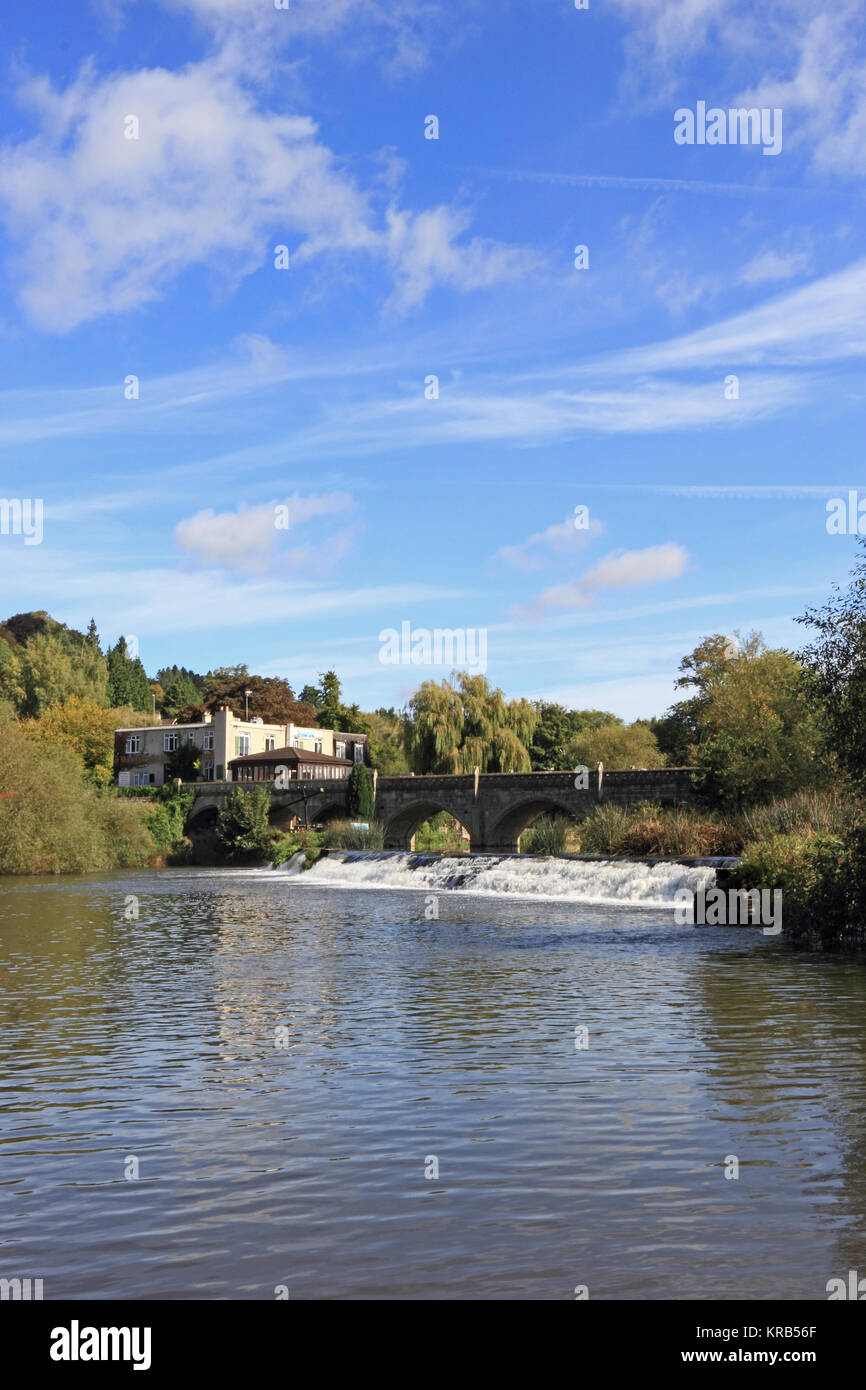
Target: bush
point(823, 883)
point(310, 841)
point(242, 829)
point(168, 818)
point(53, 821)
point(344, 835)
point(648, 831)
point(549, 835)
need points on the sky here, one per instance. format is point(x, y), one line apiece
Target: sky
point(428, 408)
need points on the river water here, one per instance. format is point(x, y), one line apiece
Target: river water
point(282, 1058)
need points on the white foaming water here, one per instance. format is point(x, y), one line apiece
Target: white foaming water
point(627, 882)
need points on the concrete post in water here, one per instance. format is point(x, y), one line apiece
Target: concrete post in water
point(476, 784)
point(600, 778)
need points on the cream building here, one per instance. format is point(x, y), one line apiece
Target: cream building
point(142, 754)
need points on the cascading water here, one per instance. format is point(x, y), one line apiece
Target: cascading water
point(643, 883)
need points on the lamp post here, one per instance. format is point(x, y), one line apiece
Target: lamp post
point(247, 694)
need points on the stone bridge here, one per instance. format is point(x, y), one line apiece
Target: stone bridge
point(494, 807)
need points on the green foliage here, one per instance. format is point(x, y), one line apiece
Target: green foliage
point(52, 820)
point(184, 762)
point(836, 667)
point(648, 830)
point(167, 820)
point(341, 834)
point(440, 835)
point(549, 835)
point(86, 728)
point(555, 730)
point(127, 679)
point(360, 793)
point(616, 745)
point(242, 828)
point(52, 667)
point(386, 747)
point(456, 727)
point(271, 698)
point(823, 883)
point(308, 841)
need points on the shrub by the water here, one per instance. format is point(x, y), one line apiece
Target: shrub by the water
point(341, 834)
point(549, 835)
point(54, 820)
point(243, 830)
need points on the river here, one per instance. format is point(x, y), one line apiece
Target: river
point(313, 1084)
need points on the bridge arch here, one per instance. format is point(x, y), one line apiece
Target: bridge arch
point(505, 835)
point(400, 829)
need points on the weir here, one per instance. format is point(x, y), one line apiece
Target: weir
point(639, 883)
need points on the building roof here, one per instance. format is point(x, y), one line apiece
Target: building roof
point(292, 755)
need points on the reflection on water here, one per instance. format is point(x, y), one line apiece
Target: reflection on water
point(297, 1156)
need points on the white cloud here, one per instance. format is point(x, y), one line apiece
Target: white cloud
point(104, 223)
point(248, 539)
point(563, 538)
point(629, 569)
point(773, 265)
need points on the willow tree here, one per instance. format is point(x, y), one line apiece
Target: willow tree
point(455, 726)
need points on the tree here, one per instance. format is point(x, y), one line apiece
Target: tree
point(52, 669)
point(454, 728)
point(242, 827)
point(836, 668)
point(87, 729)
point(127, 679)
point(761, 732)
point(92, 634)
point(361, 802)
point(387, 751)
point(555, 730)
point(180, 691)
point(310, 696)
point(617, 745)
point(271, 699)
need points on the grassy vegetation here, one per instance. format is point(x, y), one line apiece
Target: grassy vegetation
point(440, 835)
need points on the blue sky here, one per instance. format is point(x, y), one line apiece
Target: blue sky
point(602, 387)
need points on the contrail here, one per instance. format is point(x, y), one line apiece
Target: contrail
point(740, 190)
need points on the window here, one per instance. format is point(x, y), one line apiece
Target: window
point(169, 743)
point(208, 741)
point(270, 743)
point(133, 745)
point(141, 779)
point(340, 750)
point(296, 743)
point(317, 745)
point(242, 745)
point(358, 752)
